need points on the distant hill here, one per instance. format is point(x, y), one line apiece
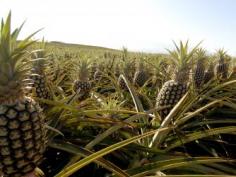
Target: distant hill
point(63, 44)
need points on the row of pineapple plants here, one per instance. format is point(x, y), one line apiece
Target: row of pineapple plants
point(168, 93)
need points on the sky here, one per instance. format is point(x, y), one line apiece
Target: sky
point(139, 25)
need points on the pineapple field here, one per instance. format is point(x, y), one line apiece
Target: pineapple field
point(86, 111)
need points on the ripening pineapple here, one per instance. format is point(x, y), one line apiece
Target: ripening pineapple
point(209, 73)
point(198, 74)
point(22, 130)
point(39, 77)
point(173, 90)
point(82, 83)
point(222, 67)
point(141, 75)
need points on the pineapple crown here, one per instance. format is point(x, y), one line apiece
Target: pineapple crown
point(83, 69)
point(201, 54)
point(39, 56)
point(222, 55)
point(15, 67)
point(112, 104)
point(182, 58)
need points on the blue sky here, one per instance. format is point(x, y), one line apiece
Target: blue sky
point(144, 25)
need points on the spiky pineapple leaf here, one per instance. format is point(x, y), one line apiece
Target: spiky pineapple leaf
point(76, 150)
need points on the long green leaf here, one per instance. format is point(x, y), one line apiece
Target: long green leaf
point(173, 164)
point(73, 168)
point(74, 149)
point(202, 134)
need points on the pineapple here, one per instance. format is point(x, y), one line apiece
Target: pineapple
point(40, 82)
point(82, 82)
point(127, 74)
point(209, 73)
point(22, 130)
point(140, 76)
point(198, 74)
point(222, 67)
point(172, 90)
point(122, 84)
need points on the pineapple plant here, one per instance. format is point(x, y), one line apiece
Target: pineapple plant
point(22, 130)
point(39, 76)
point(173, 90)
point(141, 75)
point(198, 73)
point(82, 83)
point(222, 67)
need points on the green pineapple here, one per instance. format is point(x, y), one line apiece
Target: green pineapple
point(82, 82)
point(199, 71)
point(222, 67)
point(141, 75)
point(173, 90)
point(39, 77)
point(22, 130)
